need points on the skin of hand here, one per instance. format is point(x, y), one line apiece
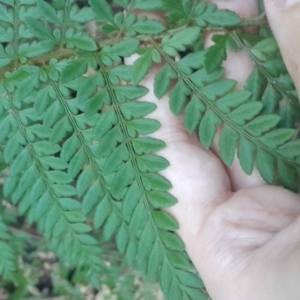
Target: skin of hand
point(242, 235)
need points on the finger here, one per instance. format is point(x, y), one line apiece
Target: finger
point(238, 67)
point(284, 18)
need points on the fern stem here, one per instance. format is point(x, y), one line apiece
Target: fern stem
point(78, 132)
point(29, 145)
point(42, 60)
point(259, 21)
point(16, 23)
point(126, 12)
point(15, 43)
point(191, 11)
point(62, 53)
point(65, 20)
point(33, 236)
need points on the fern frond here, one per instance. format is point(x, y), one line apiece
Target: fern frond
point(211, 102)
point(130, 172)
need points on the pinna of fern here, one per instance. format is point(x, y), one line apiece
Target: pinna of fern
point(78, 147)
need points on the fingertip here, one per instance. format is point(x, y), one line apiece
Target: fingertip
point(282, 4)
point(283, 16)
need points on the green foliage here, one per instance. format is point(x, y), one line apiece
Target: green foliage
point(76, 139)
point(8, 256)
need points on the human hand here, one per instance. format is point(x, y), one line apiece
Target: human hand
point(242, 235)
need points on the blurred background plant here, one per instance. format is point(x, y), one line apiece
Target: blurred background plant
point(42, 276)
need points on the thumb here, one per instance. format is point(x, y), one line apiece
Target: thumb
point(284, 19)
